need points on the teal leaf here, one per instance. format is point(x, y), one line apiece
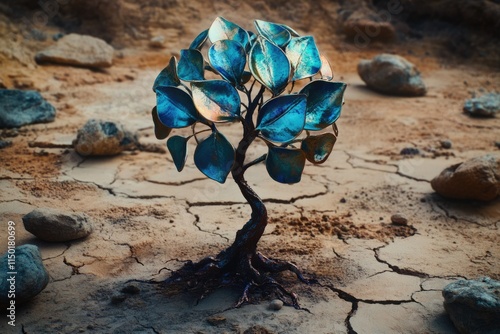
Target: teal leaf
point(276, 33)
point(324, 103)
point(224, 29)
point(246, 77)
point(269, 65)
point(161, 130)
point(191, 64)
point(285, 165)
point(198, 42)
point(216, 100)
point(177, 147)
point(168, 76)
point(304, 57)
point(214, 157)
point(318, 148)
point(326, 69)
point(175, 107)
point(229, 59)
point(292, 32)
point(282, 118)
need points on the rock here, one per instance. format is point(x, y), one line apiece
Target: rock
point(276, 305)
point(392, 75)
point(488, 105)
point(409, 151)
point(475, 179)
point(78, 50)
point(31, 277)
point(18, 108)
point(55, 225)
point(398, 219)
point(258, 329)
point(131, 289)
point(364, 26)
point(497, 144)
point(98, 137)
point(5, 143)
point(446, 144)
point(117, 299)
point(216, 319)
point(474, 305)
point(157, 42)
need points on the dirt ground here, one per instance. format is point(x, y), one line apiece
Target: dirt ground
point(374, 277)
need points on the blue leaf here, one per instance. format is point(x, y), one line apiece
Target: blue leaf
point(276, 33)
point(285, 165)
point(292, 32)
point(324, 103)
point(175, 107)
point(216, 100)
point(318, 148)
point(177, 147)
point(198, 42)
point(168, 76)
point(214, 157)
point(282, 118)
point(190, 67)
point(269, 65)
point(304, 57)
point(161, 131)
point(229, 59)
point(224, 29)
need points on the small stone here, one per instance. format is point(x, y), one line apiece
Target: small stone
point(216, 320)
point(487, 105)
point(57, 36)
point(31, 277)
point(410, 151)
point(131, 289)
point(258, 329)
point(343, 200)
point(5, 143)
point(446, 144)
point(23, 107)
point(157, 42)
point(118, 299)
point(57, 226)
point(276, 305)
point(360, 25)
point(474, 305)
point(398, 219)
point(497, 144)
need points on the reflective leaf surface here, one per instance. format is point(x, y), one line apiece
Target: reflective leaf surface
point(304, 57)
point(224, 29)
point(168, 76)
point(324, 103)
point(318, 148)
point(177, 146)
point(229, 59)
point(216, 100)
point(175, 107)
point(326, 69)
point(282, 118)
point(214, 157)
point(161, 130)
point(276, 33)
point(292, 32)
point(191, 64)
point(269, 65)
point(285, 165)
point(198, 42)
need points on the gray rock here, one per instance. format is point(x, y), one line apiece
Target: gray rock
point(276, 305)
point(78, 50)
point(446, 144)
point(487, 105)
point(409, 151)
point(392, 75)
point(98, 138)
point(30, 279)
point(55, 225)
point(399, 219)
point(18, 108)
point(157, 42)
point(5, 143)
point(474, 305)
point(476, 179)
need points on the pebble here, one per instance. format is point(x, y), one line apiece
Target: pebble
point(5, 143)
point(23, 107)
point(410, 151)
point(217, 319)
point(157, 42)
point(276, 305)
point(118, 299)
point(487, 105)
point(398, 219)
point(131, 289)
point(446, 144)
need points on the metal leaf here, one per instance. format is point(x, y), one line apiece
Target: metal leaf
point(229, 59)
point(177, 147)
point(198, 42)
point(324, 103)
point(190, 67)
point(335, 129)
point(276, 33)
point(214, 157)
point(304, 57)
point(318, 148)
point(224, 29)
point(216, 100)
point(246, 77)
point(285, 165)
point(168, 76)
point(175, 107)
point(326, 69)
point(269, 65)
point(292, 32)
point(161, 130)
point(282, 118)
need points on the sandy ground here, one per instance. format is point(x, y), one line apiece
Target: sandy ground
point(335, 224)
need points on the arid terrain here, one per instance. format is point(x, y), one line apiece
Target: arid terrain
point(374, 276)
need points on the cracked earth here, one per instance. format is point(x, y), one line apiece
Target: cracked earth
point(374, 277)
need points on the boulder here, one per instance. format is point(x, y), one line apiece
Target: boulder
point(30, 276)
point(18, 108)
point(487, 105)
point(57, 226)
point(474, 305)
point(78, 50)
point(101, 138)
point(476, 179)
point(364, 26)
point(392, 75)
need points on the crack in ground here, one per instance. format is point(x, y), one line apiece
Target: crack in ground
point(132, 252)
point(197, 221)
point(180, 183)
point(68, 245)
point(396, 269)
point(16, 200)
point(455, 218)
